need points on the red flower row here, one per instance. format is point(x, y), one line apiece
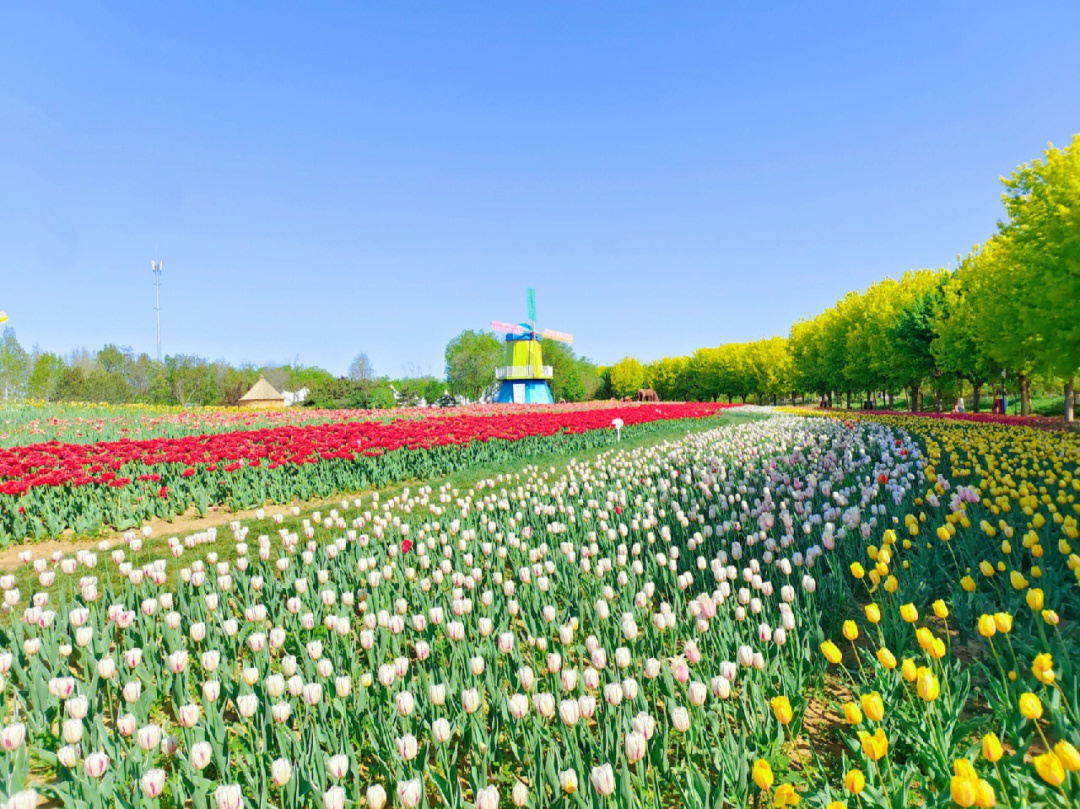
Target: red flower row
point(58, 464)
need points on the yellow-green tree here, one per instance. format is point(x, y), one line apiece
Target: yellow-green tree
point(1042, 235)
point(627, 376)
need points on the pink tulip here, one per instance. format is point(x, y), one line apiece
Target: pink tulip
point(200, 756)
point(96, 765)
point(229, 796)
point(153, 783)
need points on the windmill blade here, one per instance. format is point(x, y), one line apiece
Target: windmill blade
point(561, 336)
point(3, 317)
point(506, 328)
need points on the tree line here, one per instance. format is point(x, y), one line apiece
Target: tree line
point(1005, 318)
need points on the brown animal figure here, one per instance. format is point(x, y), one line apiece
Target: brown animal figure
point(647, 395)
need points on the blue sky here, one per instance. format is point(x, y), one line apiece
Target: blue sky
point(322, 179)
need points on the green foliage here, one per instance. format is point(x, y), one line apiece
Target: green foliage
point(627, 376)
point(471, 358)
point(44, 376)
point(350, 394)
point(14, 366)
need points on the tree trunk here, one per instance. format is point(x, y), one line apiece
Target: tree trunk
point(892, 400)
point(937, 398)
point(976, 390)
point(1025, 395)
point(849, 400)
point(1070, 399)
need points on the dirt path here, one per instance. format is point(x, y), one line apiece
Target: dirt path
point(188, 523)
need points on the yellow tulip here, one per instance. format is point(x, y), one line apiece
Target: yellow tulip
point(831, 652)
point(927, 686)
point(857, 570)
point(874, 745)
point(1034, 599)
point(908, 670)
point(1043, 668)
point(852, 713)
point(873, 613)
point(984, 794)
point(991, 748)
point(1030, 706)
point(963, 768)
point(836, 805)
point(892, 583)
point(785, 795)
point(886, 658)
point(1017, 580)
point(937, 649)
point(1003, 622)
point(943, 534)
point(1050, 617)
point(909, 613)
point(940, 609)
point(987, 627)
point(986, 568)
point(781, 707)
point(1068, 755)
point(762, 774)
point(873, 706)
point(968, 584)
point(1050, 768)
point(851, 631)
point(854, 781)
point(962, 791)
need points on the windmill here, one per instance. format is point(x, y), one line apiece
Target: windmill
point(524, 377)
point(3, 317)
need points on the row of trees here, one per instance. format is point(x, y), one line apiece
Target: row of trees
point(118, 375)
point(1007, 313)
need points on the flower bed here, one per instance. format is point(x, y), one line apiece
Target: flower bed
point(669, 626)
point(47, 487)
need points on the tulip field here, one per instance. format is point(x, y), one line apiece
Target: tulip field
point(870, 611)
point(48, 487)
point(85, 423)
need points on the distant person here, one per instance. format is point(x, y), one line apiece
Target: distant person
point(959, 407)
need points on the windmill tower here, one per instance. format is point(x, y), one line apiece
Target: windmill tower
point(524, 377)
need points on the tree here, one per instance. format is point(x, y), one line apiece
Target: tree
point(670, 378)
point(1042, 199)
point(14, 366)
point(574, 378)
point(471, 358)
point(44, 376)
point(191, 380)
point(955, 346)
point(627, 376)
point(360, 369)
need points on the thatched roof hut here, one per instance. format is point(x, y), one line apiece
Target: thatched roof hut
point(262, 394)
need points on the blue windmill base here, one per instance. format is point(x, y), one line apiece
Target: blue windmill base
point(525, 391)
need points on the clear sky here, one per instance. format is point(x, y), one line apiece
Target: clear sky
point(322, 179)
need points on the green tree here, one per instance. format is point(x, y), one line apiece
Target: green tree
point(1042, 199)
point(14, 366)
point(44, 376)
point(627, 376)
point(955, 346)
point(471, 358)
